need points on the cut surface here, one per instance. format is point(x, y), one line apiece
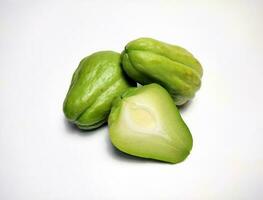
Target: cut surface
point(145, 122)
point(139, 117)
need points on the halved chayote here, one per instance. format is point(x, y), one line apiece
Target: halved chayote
point(95, 83)
point(147, 60)
point(145, 122)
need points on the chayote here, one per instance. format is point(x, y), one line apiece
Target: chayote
point(145, 122)
point(95, 83)
point(146, 61)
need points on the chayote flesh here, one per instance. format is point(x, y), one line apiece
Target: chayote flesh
point(146, 61)
point(97, 81)
point(145, 122)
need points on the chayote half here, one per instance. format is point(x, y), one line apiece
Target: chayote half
point(146, 61)
point(95, 83)
point(145, 122)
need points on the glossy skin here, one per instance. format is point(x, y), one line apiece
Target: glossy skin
point(146, 61)
point(95, 83)
point(145, 122)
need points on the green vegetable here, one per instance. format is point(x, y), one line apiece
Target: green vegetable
point(145, 122)
point(96, 82)
point(146, 61)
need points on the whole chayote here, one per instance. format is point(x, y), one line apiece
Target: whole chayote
point(97, 81)
point(146, 61)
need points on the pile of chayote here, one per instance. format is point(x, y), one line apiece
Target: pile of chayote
point(143, 121)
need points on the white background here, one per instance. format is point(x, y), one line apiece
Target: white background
point(42, 157)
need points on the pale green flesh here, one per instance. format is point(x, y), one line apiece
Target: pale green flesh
point(146, 123)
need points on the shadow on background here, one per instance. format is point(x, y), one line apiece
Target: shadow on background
point(74, 129)
point(185, 107)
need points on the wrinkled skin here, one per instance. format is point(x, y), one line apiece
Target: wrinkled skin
point(145, 122)
point(95, 83)
point(146, 61)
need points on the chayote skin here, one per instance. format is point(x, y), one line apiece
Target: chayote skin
point(95, 83)
point(146, 61)
point(145, 122)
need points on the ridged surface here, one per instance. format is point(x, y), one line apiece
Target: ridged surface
point(95, 83)
point(150, 61)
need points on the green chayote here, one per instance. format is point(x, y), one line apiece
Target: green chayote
point(145, 122)
point(97, 81)
point(146, 61)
